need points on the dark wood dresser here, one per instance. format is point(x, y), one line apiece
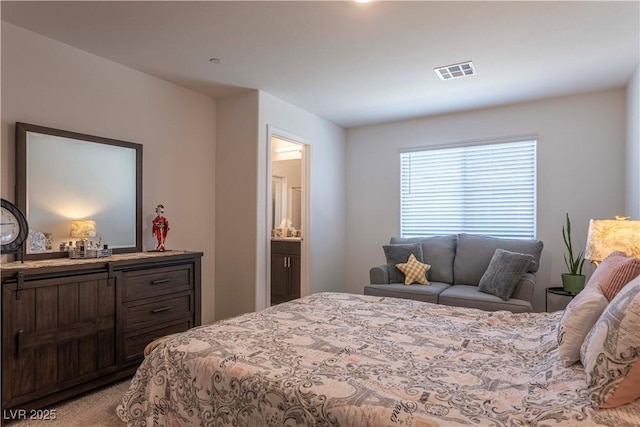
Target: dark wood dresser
point(72, 325)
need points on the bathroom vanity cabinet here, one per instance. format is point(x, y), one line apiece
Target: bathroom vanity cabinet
point(285, 270)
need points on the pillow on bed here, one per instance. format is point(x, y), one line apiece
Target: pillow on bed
point(611, 352)
point(398, 254)
point(577, 320)
point(615, 271)
point(504, 272)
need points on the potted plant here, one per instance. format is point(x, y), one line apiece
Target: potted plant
point(573, 281)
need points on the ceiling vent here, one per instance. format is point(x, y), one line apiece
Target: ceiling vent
point(455, 71)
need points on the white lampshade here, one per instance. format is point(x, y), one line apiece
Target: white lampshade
point(83, 228)
point(609, 235)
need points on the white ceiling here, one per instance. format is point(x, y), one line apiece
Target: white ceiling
point(352, 63)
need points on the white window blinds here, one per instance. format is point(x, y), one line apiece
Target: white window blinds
point(485, 189)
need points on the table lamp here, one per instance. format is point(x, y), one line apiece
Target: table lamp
point(609, 235)
point(83, 229)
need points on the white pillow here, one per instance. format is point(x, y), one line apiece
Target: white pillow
point(576, 322)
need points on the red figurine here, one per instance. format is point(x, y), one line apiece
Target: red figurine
point(160, 228)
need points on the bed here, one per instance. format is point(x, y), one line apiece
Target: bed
point(335, 359)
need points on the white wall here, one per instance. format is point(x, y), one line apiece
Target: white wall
point(633, 146)
point(242, 232)
point(236, 204)
point(48, 83)
point(581, 151)
point(327, 233)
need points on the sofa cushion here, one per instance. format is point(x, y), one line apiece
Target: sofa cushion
point(474, 253)
point(470, 296)
point(414, 271)
point(438, 251)
point(504, 272)
point(397, 254)
point(398, 290)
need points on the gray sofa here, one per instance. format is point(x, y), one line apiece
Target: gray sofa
point(457, 265)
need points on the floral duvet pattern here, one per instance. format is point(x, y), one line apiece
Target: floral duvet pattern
point(335, 359)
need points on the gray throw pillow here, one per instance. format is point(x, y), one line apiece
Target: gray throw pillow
point(397, 254)
point(504, 272)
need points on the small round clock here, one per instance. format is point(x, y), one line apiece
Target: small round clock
point(13, 228)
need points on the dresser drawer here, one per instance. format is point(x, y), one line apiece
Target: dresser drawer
point(154, 311)
point(134, 342)
point(152, 282)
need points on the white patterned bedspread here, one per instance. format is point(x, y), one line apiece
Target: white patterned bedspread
point(335, 359)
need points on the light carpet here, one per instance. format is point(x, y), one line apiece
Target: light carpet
point(93, 409)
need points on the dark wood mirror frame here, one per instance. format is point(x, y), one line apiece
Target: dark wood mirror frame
point(21, 179)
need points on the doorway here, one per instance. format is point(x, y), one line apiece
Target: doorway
point(288, 217)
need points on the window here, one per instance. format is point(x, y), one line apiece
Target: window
point(485, 189)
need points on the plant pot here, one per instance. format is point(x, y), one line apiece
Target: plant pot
point(573, 283)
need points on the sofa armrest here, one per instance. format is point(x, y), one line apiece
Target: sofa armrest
point(524, 288)
point(379, 275)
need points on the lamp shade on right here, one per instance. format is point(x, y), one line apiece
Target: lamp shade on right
point(609, 235)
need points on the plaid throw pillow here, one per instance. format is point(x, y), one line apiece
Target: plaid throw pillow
point(414, 271)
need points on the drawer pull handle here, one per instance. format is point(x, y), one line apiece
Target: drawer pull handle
point(159, 310)
point(158, 281)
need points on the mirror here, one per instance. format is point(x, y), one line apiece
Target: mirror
point(295, 206)
point(286, 188)
point(278, 200)
point(63, 176)
point(286, 194)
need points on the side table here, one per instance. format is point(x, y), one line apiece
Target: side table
point(556, 290)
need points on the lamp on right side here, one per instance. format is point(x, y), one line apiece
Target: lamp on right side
point(609, 235)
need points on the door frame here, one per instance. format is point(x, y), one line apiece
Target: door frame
point(305, 220)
